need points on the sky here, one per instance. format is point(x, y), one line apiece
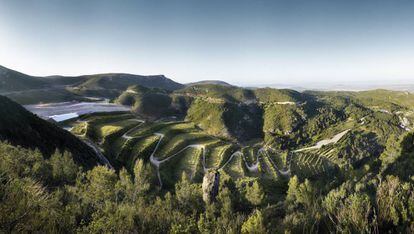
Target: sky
point(244, 42)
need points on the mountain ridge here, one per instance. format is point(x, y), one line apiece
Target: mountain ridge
point(144, 80)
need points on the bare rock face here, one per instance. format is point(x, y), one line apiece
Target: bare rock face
point(210, 186)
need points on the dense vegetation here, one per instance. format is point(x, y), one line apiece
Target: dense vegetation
point(56, 195)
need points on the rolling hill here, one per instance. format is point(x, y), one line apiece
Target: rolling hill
point(213, 82)
point(17, 86)
point(11, 80)
point(112, 85)
point(152, 103)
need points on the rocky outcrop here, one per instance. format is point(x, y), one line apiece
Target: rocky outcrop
point(210, 186)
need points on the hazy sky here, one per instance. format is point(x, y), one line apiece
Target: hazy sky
point(242, 42)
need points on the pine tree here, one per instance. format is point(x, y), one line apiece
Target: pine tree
point(254, 224)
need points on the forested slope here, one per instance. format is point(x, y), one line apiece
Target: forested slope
point(20, 127)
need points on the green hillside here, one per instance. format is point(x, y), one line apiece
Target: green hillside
point(213, 91)
point(150, 103)
point(225, 111)
point(206, 82)
point(268, 95)
point(378, 99)
point(226, 119)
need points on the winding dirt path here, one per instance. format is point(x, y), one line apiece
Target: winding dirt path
point(321, 143)
point(252, 168)
point(98, 152)
point(156, 162)
point(281, 172)
point(126, 135)
point(91, 144)
point(255, 166)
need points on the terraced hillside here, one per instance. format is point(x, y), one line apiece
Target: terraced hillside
point(173, 148)
point(309, 135)
point(180, 146)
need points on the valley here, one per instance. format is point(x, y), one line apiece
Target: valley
point(149, 144)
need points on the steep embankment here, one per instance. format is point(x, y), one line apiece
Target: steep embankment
point(20, 127)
